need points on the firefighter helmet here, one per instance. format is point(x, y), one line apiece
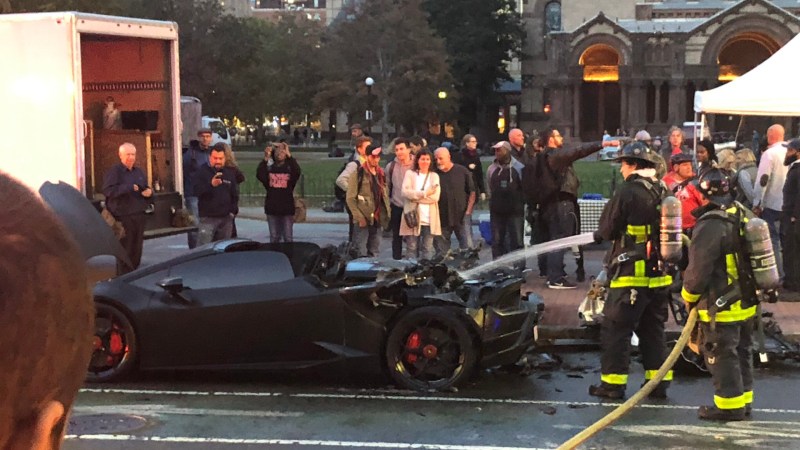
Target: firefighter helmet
point(715, 185)
point(639, 151)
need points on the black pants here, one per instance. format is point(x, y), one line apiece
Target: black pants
point(397, 240)
point(349, 223)
point(646, 317)
point(790, 233)
point(728, 353)
point(132, 242)
point(561, 221)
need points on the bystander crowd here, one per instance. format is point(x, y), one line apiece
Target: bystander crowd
point(279, 179)
point(217, 194)
point(456, 201)
point(421, 192)
point(127, 193)
point(368, 201)
point(506, 202)
point(195, 157)
point(395, 173)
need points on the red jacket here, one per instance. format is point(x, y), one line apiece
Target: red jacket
point(687, 193)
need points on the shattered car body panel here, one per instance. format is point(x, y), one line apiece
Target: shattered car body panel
point(240, 304)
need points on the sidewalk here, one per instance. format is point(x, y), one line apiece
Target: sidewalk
point(561, 306)
point(317, 215)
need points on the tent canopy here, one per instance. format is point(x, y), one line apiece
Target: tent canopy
point(770, 89)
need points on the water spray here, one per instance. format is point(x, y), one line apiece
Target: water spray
point(522, 254)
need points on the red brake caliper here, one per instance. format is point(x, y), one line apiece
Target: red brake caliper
point(115, 343)
point(412, 343)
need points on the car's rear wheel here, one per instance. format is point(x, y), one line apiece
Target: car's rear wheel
point(114, 345)
point(430, 348)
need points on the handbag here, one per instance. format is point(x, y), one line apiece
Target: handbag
point(411, 217)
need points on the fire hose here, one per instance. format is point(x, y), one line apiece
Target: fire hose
point(624, 408)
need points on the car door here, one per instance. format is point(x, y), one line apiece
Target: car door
point(244, 308)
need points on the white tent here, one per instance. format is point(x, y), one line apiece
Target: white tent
point(770, 89)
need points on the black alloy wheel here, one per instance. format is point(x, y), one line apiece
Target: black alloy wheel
point(430, 348)
point(114, 345)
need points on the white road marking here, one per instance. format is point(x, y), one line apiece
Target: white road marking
point(157, 410)
point(390, 397)
point(296, 442)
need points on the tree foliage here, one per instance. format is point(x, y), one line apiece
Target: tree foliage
point(391, 42)
point(482, 37)
point(90, 6)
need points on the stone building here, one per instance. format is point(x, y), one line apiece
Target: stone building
point(622, 64)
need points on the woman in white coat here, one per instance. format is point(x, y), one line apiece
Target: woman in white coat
point(421, 193)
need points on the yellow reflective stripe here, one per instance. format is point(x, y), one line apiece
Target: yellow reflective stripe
point(735, 314)
point(688, 296)
point(638, 230)
point(729, 403)
point(649, 374)
point(642, 282)
point(623, 282)
point(730, 268)
point(748, 397)
point(614, 378)
point(638, 268)
point(658, 282)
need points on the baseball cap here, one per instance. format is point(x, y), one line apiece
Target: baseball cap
point(794, 144)
point(374, 150)
point(503, 144)
point(355, 126)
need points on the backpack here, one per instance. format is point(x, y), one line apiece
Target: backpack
point(539, 182)
point(337, 191)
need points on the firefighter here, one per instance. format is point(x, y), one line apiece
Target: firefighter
point(637, 295)
point(716, 282)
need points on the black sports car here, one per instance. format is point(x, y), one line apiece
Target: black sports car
point(241, 304)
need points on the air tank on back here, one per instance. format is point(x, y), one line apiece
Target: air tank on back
point(762, 257)
point(671, 229)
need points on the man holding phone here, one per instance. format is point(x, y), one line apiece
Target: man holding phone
point(218, 193)
point(126, 191)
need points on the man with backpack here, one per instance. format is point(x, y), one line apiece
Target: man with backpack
point(350, 167)
point(369, 204)
point(506, 202)
point(555, 190)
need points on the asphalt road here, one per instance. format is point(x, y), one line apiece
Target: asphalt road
point(496, 410)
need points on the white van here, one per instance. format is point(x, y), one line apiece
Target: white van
point(219, 132)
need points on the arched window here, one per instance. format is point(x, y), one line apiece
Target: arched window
point(552, 16)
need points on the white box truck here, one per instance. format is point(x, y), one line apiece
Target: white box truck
point(61, 70)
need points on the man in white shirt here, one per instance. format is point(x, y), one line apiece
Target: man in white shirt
point(768, 201)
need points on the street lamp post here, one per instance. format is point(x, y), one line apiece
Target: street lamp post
point(369, 82)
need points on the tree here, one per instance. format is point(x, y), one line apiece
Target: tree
point(390, 41)
point(488, 36)
point(90, 6)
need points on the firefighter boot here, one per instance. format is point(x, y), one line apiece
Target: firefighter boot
point(724, 415)
point(607, 391)
point(660, 392)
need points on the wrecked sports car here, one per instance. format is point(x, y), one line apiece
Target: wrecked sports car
point(245, 305)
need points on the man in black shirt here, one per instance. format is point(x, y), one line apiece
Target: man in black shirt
point(218, 193)
point(455, 201)
point(126, 191)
